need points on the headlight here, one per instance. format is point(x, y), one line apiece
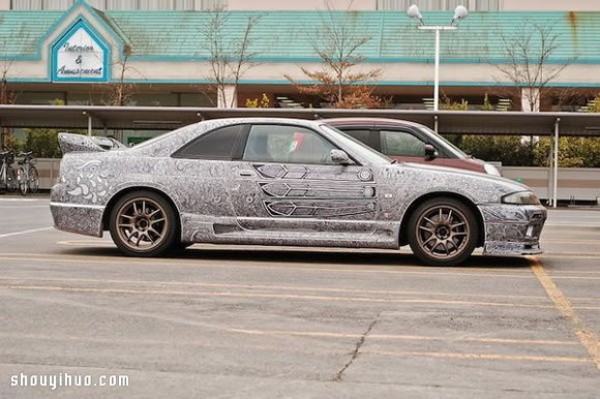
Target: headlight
point(491, 169)
point(521, 198)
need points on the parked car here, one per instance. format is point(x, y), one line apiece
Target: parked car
point(410, 142)
point(274, 181)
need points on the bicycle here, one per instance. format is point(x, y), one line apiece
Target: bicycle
point(27, 174)
point(8, 182)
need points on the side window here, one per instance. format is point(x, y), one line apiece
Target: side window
point(402, 144)
point(218, 144)
point(286, 144)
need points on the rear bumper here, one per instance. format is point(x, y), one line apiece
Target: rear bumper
point(513, 229)
point(73, 217)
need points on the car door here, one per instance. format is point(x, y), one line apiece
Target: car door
point(200, 183)
point(290, 191)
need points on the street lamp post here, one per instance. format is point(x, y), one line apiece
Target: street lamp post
point(459, 13)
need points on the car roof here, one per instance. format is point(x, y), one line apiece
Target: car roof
point(360, 121)
point(258, 119)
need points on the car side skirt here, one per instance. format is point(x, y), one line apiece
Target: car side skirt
point(229, 230)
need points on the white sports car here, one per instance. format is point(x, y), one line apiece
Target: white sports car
point(274, 181)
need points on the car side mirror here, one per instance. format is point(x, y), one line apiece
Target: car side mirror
point(340, 157)
point(430, 152)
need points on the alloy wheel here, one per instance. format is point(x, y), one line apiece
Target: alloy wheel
point(443, 231)
point(142, 224)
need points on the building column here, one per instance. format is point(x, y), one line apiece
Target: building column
point(227, 97)
point(528, 93)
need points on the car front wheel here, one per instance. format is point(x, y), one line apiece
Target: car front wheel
point(442, 231)
point(142, 223)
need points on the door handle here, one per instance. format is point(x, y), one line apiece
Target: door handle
point(247, 173)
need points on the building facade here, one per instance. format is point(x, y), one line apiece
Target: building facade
point(180, 52)
point(310, 5)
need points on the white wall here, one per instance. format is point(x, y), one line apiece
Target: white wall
point(506, 5)
point(551, 5)
point(300, 5)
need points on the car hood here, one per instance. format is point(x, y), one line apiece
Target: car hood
point(453, 174)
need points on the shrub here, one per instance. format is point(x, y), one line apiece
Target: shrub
point(509, 150)
point(43, 143)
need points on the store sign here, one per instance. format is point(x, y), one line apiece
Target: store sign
point(80, 56)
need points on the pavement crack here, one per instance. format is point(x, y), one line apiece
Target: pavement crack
point(361, 340)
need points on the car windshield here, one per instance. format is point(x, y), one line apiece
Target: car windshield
point(451, 147)
point(355, 145)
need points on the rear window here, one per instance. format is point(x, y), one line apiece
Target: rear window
point(218, 144)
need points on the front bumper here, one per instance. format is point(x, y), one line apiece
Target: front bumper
point(513, 229)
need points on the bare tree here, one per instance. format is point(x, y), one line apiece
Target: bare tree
point(528, 51)
point(338, 44)
point(7, 95)
point(229, 56)
point(120, 92)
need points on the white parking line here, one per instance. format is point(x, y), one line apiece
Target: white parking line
point(18, 233)
point(570, 224)
point(22, 199)
point(24, 207)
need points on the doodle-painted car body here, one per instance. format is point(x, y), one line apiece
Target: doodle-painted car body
point(274, 181)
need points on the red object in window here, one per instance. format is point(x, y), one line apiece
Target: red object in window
point(298, 140)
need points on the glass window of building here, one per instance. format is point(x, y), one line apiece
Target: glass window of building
point(196, 100)
point(56, 4)
point(438, 5)
point(41, 98)
point(184, 4)
point(85, 99)
point(98, 4)
point(485, 5)
point(122, 4)
point(26, 5)
point(213, 4)
point(112, 4)
point(154, 100)
point(41, 4)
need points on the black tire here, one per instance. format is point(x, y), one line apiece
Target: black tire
point(443, 232)
point(22, 181)
point(179, 246)
point(34, 180)
point(11, 181)
point(143, 223)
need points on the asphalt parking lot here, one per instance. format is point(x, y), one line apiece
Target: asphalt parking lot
point(254, 322)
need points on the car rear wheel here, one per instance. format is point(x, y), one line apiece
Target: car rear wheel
point(143, 223)
point(443, 231)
